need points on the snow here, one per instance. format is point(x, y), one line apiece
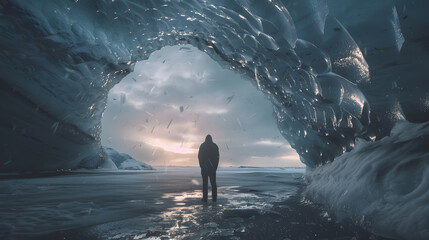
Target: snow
point(381, 185)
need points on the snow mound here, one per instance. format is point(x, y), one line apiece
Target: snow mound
point(124, 161)
point(382, 185)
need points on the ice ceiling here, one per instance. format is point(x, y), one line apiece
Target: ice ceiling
point(334, 70)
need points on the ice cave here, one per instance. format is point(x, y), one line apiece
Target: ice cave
point(347, 81)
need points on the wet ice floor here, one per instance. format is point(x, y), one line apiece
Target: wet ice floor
point(253, 203)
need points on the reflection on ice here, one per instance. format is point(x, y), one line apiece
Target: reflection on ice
point(253, 203)
point(189, 218)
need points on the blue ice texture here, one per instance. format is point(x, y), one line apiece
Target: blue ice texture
point(335, 71)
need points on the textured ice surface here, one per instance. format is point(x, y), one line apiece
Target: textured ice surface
point(333, 69)
point(382, 185)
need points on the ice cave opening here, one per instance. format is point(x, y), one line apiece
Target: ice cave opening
point(161, 112)
point(347, 79)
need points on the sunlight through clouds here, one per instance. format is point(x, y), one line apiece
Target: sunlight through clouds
point(269, 143)
point(172, 146)
point(161, 113)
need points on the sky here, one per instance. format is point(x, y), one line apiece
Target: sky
point(162, 112)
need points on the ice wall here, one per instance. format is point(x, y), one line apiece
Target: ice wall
point(381, 185)
point(333, 70)
point(59, 59)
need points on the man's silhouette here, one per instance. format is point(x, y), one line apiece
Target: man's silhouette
point(208, 156)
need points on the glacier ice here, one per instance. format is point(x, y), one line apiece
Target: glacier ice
point(334, 70)
point(382, 185)
point(60, 60)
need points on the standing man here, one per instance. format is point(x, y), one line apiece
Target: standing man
point(208, 156)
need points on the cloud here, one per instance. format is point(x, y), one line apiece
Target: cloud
point(172, 146)
point(269, 143)
point(175, 98)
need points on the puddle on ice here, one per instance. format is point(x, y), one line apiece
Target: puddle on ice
point(237, 215)
point(194, 219)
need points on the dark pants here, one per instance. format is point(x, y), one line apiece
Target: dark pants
point(212, 175)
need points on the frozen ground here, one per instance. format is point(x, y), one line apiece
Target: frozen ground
point(254, 203)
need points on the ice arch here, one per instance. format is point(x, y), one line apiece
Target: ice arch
point(334, 70)
point(59, 59)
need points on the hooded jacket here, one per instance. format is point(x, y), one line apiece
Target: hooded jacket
point(208, 155)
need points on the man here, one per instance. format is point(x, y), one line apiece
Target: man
point(208, 156)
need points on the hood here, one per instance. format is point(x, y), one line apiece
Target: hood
point(209, 138)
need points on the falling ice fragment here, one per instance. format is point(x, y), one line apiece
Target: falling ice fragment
point(54, 127)
point(169, 123)
point(123, 98)
point(229, 99)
